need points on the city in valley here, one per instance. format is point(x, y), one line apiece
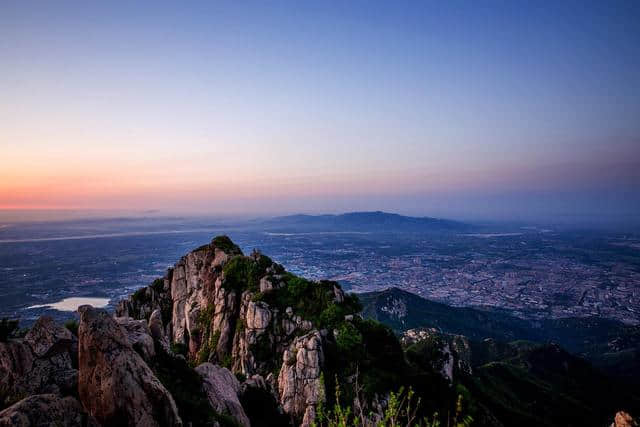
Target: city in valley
point(530, 272)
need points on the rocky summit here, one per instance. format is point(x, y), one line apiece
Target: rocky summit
point(218, 329)
point(228, 339)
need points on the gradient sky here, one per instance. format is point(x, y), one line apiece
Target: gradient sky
point(464, 109)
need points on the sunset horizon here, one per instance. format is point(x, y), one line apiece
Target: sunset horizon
point(224, 109)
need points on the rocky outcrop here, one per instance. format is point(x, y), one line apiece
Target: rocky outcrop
point(43, 362)
point(47, 334)
point(236, 311)
point(622, 419)
point(299, 382)
point(115, 384)
point(46, 410)
point(144, 301)
point(454, 351)
point(222, 390)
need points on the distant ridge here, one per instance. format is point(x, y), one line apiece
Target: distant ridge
point(362, 221)
point(590, 337)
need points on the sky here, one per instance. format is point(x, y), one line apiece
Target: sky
point(461, 109)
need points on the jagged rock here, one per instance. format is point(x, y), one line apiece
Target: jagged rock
point(299, 383)
point(143, 302)
point(139, 336)
point(115, 384)
point(622, 419)
point(195, 285)
point(46, 410)
point(222, 390)
point(42, 362)
point(46, 333)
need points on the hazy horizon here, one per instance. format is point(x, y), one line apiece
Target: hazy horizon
point(492, 111)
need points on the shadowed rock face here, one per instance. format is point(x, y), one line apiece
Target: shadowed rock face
point(222, 390)
point(42, 362)
point(139, 336)
point(115, 384)
point(46, 410)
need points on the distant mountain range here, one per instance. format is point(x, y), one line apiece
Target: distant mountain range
point(361, 221)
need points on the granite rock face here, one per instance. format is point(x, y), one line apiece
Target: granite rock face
point(299, 382)
point(46, 410)
point(115, 384)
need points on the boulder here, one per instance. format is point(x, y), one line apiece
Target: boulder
point(45, 334)
point(46, 410)
point(157, 330)
point(222, 390)
point(622, 419)
point(43, 362)
point(115, 384)
point(139, 336)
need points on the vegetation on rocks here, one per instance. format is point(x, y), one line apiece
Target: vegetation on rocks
point(225, 244)
point(209, 339)
point(244, 273)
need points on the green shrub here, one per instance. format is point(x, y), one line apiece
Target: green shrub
point(141, 296)
point(242, 273)
point(72, 325)
point(158, 285)
point(349, 339)
point(225, 244)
